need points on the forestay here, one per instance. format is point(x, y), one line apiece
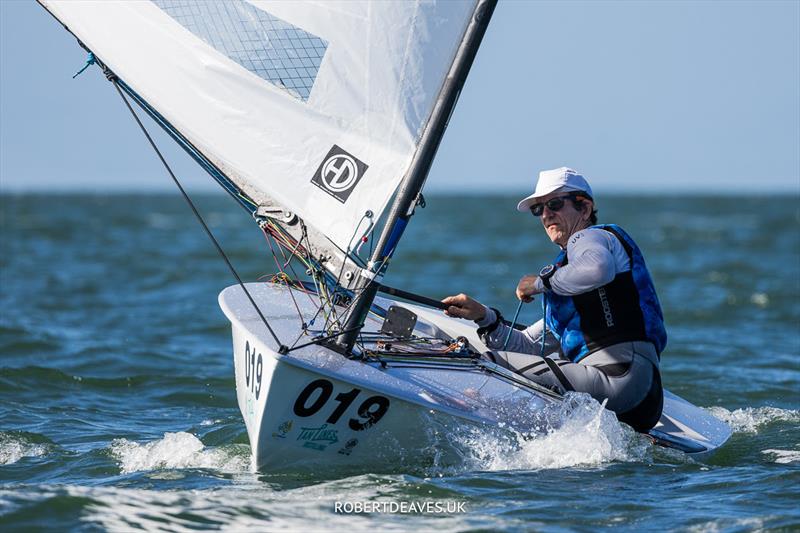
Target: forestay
point(318, 106)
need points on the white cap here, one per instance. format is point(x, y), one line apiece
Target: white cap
point(560, 179)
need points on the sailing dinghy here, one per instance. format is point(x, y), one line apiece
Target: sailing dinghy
point(322, 119)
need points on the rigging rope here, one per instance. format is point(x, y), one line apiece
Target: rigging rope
point(89, 62)
point(511, 327)
point(282, 348)
point(544, 322)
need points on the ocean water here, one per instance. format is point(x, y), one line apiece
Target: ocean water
point(118, 409)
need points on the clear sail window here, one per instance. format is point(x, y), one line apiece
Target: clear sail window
point(269, 47)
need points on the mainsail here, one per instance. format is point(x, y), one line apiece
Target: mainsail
point(312, 111)
point(319, 106)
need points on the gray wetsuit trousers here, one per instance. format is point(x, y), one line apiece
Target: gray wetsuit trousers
point(625, 374)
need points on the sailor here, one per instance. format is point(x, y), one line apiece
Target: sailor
point(603, 329)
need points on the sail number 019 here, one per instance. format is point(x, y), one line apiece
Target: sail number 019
point(370, 411)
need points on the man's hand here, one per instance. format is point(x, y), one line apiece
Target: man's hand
point(462, 306)
point(526, 288)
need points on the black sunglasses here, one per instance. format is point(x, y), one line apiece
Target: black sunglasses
point(553, 204)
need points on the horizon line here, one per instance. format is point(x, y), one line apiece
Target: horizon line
point(437, 191)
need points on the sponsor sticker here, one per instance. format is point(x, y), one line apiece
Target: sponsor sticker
point(339, 173)
point(348, 447)
point(318, 438)
point(606, 307)
point(283, 429)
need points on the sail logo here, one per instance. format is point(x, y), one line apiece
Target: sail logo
point(339, 173)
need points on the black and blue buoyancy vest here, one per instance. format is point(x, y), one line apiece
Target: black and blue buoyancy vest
point(624, 310)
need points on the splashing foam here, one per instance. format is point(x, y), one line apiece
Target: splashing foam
point(13, 448)
point(784, 457)
point(750, 419)
point(576, 432)
point(175, 450)
point(728, 524)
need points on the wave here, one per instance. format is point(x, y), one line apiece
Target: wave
point(19, 378)
point(730, 524)
point(176, 451)
point(16, 445)
point(751, 419)
point(783, 457)
point(577, 432)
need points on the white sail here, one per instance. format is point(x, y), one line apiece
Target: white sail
point(317, 105)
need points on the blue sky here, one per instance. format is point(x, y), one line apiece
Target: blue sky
point(640, 96)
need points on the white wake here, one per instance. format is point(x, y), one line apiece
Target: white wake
point(175, 451)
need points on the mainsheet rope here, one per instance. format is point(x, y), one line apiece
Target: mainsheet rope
point(282, 348)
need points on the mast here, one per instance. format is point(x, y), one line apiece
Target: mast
point(408, 192)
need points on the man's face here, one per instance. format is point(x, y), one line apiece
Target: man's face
point(561, 224)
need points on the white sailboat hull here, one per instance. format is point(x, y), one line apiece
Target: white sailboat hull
point(313, 407)
point(282, 440)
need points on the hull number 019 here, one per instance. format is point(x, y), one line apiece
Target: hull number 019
point(317, 393)
point(253, 369)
